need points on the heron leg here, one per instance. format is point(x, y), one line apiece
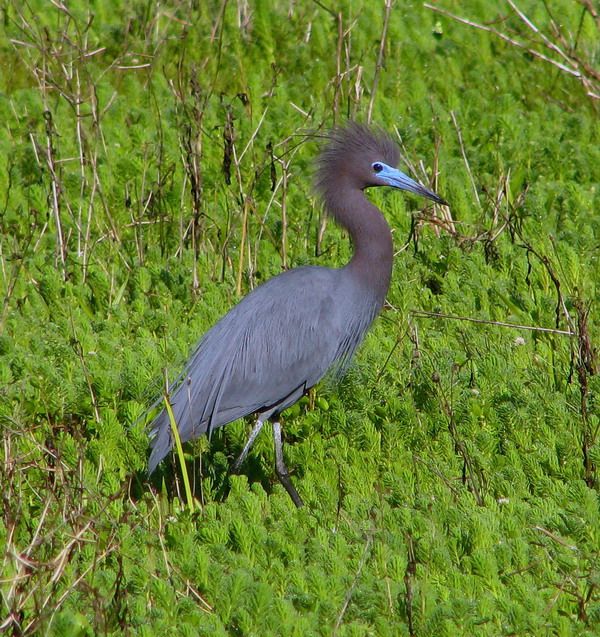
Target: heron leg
point(280, 468)
point(253, 435)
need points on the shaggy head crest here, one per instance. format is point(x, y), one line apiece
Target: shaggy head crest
point(350, 151)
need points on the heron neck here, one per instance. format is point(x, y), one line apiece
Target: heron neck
point(371, 237)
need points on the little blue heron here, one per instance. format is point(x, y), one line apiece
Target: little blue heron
point(285, 335)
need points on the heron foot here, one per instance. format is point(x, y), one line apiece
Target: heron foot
point(281, 470)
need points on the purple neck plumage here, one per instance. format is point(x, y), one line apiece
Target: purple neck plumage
point(371, 264)
point(344, 170)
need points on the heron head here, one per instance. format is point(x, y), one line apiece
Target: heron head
point(359, 157)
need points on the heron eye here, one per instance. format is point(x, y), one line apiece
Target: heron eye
point(377, 167)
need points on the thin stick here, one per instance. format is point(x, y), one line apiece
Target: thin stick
point(508, 39)
point(363, 560)
point(61, 247)
point(531, 328)
point(464, 156)
point(549, 44)
point(284, 221)
point(380, 56)
point(338, 66)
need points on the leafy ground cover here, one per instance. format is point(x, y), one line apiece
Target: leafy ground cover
point(155, 165)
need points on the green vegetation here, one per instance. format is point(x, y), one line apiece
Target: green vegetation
point(155, 165)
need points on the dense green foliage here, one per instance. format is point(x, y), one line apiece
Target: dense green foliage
point(155, 165)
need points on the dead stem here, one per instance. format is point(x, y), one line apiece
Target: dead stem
point(380, 58)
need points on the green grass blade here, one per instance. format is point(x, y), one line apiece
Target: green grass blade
point(180, 456)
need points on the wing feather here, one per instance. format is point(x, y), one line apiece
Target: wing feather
point(280, 340)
